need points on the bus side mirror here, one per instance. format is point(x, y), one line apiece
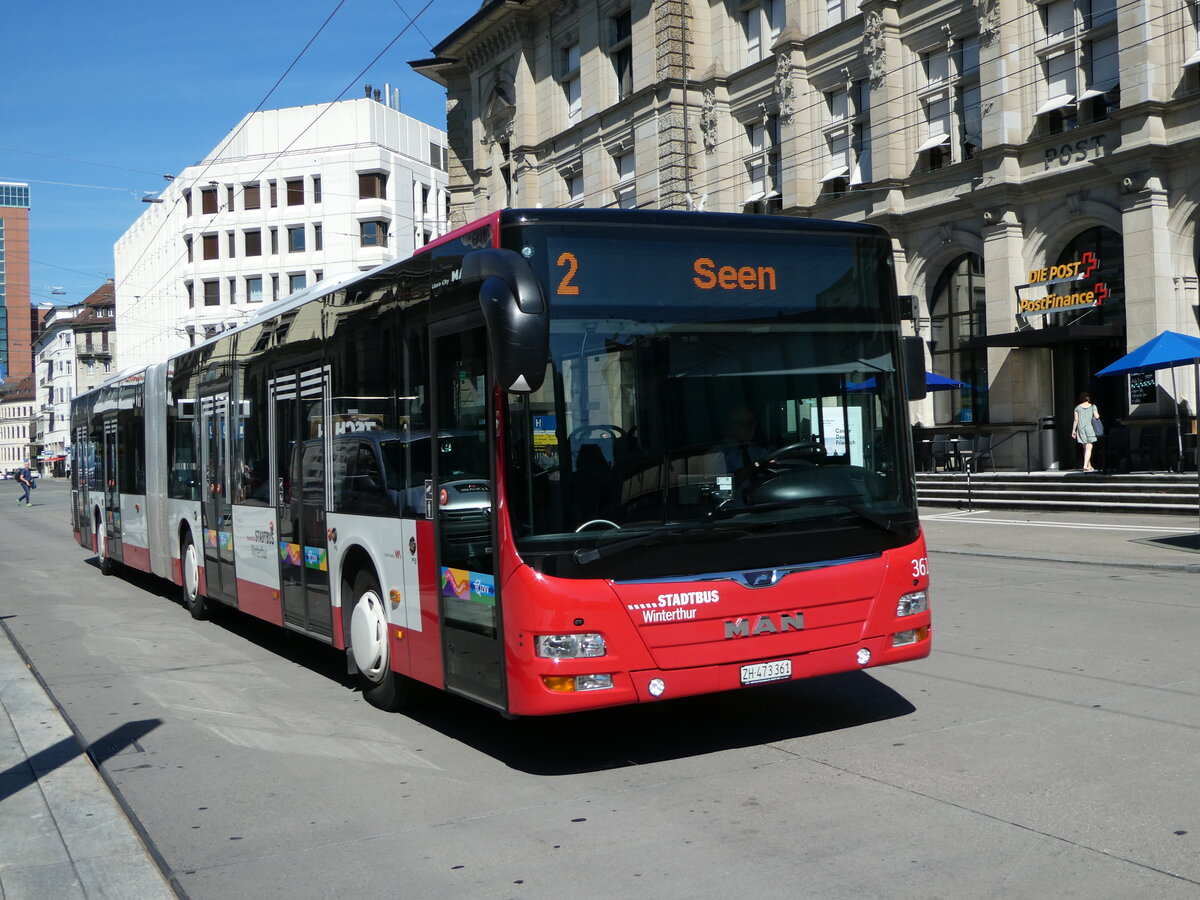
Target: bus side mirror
point(517, 317)
point(912, 353)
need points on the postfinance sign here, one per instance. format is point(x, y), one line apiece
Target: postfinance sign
point(1067, 288)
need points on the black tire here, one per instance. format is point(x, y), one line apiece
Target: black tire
point(106, 564)
point(189, 564)
point(381, 687)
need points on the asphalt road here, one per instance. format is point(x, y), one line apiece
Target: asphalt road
point(1046, 749)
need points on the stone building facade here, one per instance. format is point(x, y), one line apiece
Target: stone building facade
point(1030, 160)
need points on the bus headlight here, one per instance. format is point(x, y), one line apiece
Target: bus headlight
point(570, 646)
point(911, 604)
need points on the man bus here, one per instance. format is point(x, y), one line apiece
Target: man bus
point(497, 467)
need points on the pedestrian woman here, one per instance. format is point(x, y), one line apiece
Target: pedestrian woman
point(1083, 427)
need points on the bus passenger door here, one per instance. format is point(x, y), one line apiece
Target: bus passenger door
point(299, 401)
point(112, 492)
point(216, 513)
point(463, 502)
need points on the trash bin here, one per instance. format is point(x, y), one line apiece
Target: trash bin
point(1048, 441)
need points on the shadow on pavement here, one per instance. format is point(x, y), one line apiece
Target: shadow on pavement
point(20, 776)
point(1189, 542)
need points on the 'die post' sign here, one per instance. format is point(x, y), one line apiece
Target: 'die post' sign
point(1063, 288)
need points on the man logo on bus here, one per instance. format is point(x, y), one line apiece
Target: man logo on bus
point(766, 624)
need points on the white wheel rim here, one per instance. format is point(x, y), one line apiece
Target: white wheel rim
point(191, 572)
point(368, 636)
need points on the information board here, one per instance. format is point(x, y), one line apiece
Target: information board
point(1142, 388)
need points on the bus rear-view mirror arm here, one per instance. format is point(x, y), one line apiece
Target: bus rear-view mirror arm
point(517, 316)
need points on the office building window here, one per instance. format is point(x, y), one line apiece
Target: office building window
point(848, 138)
point(625, 190)
point(274, 287)
point(191, 295)
point(274, 241)
point(254, 242)
point(208, 243)
point(208, 201)
point(231, 243)
point(762, 166)
point(232, 290)
point(373, 233)
point(187, 242)
point(838, 11)
point(254, 289)
point(251, 195)
point(372, 185)
point(573, 183)
point(316, 189)
point(212, 293)
point(229, 197)
point(272, 195)
point(295, 192)
point(318, 237)
point(295, 237)
point(296, 283)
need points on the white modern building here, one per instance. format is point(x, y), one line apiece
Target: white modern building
point(18, 417)
point(54, 377)
point(288, 198)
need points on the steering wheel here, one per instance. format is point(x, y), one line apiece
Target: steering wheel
point(592, 522)
point(803, 452)
point(586, 430)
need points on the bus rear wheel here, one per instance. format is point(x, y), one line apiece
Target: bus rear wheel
point(370, 648)
point(107, 566)
point(189, 562)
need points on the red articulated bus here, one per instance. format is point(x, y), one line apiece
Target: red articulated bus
point(557, 460)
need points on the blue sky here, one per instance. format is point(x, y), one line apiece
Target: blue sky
point(99, 100)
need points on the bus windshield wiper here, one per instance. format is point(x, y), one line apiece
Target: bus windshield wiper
point(586, 557)
point(884, 523)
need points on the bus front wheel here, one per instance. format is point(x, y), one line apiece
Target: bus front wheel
point(370, 647)
point(190, 563)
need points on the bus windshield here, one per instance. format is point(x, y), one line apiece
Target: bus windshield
point(715, 400)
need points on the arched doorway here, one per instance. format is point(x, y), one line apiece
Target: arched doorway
point(957, 313)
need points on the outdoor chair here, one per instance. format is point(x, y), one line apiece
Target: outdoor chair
point(980, 449)
point(941, 451)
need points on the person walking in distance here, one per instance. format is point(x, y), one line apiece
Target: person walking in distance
point(1083, 427)
point(25, 479)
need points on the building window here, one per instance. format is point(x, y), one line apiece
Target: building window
point(251, 195)
point(229, 197)
point(568, 61)
point(295, 192)
point(372, 185)
point(272, 196)
point(318, 237)
point(373, 233)
point(274, 241)
point(968, 101)
point(209, 246)
point(187, 242)
point(762, 23)
point(848, 138)
point(187, 202)
point(231, 242)
point(254, 242)
point(762, 166)
point(958, 313)
point(254, 289)
point(191, 296)
point(274, 287)
point(625, 191)
point(232, 290)
point(296, 283)
point(620, 51)
point(316, 189)
point(295, 238)
point(574, 185)
point(208, 201)
point(1101, 60)
point(212, 293)
point(838, 11)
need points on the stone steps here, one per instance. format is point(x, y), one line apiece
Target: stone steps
point(1168, 494)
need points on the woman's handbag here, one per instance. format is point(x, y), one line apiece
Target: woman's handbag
point(1098, 427)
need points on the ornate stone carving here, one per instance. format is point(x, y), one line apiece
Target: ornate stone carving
point(708, 121)
point(873, 47)
point(785, 89)
point(988, 12)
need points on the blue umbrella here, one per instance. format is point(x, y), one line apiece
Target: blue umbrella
point(933, 382)
point(1163, 351)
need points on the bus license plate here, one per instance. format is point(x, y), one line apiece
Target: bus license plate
point(776, 670)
